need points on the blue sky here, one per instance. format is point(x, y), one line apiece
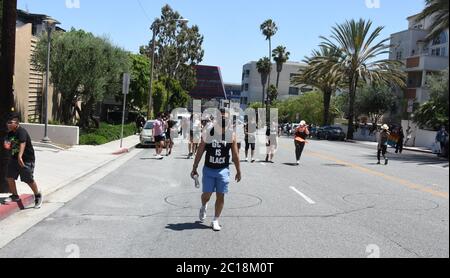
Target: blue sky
point(230, 27)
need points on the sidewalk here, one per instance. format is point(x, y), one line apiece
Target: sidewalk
point(412, 149)
point(56, 168)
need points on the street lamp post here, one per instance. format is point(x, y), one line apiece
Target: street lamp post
point(50, 25)
point(156, 24)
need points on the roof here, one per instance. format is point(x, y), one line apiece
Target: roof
point(30, 17)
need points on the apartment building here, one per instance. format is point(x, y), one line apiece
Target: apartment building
point(252, 89)
point(421, 57)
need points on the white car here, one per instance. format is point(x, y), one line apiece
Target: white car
point(146, 136)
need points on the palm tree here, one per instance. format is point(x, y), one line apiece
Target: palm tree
point(326, 82)
point(269, 29)
point(357, 52)
point(281, 56)
point(264, 67)
point(438, 9)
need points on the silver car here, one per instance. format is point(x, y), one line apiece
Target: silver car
point(146, 136)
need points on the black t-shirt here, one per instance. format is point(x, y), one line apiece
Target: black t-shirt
point(18, 137)
point(218, 153)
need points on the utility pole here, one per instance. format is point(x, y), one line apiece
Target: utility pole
point(6, 78)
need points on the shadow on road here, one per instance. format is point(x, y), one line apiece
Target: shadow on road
point(187, 226)
point(290, 164)
point(420, 159)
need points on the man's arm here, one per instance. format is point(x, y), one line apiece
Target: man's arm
point(198, 157)
point(21, 151)
point(236, 161)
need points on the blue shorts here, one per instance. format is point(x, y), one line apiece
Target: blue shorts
point(215, 180)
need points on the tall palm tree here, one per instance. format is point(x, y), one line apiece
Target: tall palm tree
point(357, 61)
point(269, 29)
point(438, 9)
point(281, 56)
point(326, 82)
point(264, 67)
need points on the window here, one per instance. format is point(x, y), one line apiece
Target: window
point(399, 55)
point(441, 39)
point(294, 91)
point(246, 87)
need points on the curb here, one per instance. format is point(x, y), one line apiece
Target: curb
point(404, 148)
point(27, 200)
point(13, 207)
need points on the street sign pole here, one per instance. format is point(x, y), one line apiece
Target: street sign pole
point(125, 90)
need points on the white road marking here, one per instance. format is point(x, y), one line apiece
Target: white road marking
point(309, 200)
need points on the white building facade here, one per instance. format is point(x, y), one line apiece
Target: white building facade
point(421, 57)
point(252, 90)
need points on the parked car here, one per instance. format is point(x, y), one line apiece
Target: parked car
point(146, 136)
point(331, 133)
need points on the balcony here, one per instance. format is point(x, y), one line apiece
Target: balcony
point(427, 63)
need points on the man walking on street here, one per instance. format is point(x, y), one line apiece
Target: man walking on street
point(382, 140)
point(216, 173)
point(22, 161)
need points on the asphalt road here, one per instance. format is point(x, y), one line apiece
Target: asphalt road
point(337, 203)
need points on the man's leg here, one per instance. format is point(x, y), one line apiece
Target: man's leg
point(220, 202)
point(12, 186)
point(379, 154)
point(34, 187)
point(205, 198)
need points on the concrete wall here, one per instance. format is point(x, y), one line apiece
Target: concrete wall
point(64, 135)
point(22, 69)
point(419, 137)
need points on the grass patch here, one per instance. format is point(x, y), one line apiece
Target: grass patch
point(106, 133)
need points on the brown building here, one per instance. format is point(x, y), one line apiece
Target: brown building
point(29, 83)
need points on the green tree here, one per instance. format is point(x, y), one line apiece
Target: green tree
point(434, 113)
point(140, 79)
point(439, 10)
point(272, 94)
point(177, 96)
point(159, 97)
point(309, 106)
point(281, 56)
point(375, 101)
point(269, 29)
point(178, 48)
point(84, 68)
point(264, 67)
point(325, 81)
point(357, 63)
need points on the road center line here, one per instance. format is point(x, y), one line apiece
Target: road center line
point(309, 200)
point(397, 180)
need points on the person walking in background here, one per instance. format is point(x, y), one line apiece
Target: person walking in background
point(400, 140)
point(382, 140)
point(140, 122)
point(158, 132)
point(442, 138)
point(272, 141)
point(301, 133)
point(250, 139)
point(22, 162)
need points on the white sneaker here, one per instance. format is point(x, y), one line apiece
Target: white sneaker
point(246, 159)
point(215, 225)
point(202, 214)
point(298, 162)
